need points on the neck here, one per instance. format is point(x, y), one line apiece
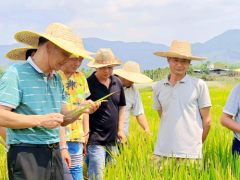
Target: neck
point(175, 78)
point(66, 72)
point(41, 62)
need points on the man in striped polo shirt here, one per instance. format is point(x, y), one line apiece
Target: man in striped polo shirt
point(31, 99)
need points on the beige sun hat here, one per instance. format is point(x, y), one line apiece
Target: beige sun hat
point(79, 43)
point(180, 49)
point(18, 54)
point(58, 33)
point(104, 57)
point(131, 72)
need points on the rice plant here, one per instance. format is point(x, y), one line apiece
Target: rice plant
point(134, 161)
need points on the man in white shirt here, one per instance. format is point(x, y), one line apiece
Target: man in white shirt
point(183, 104)
point(130, 74)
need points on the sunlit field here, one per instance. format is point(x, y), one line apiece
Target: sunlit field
point(134, 161)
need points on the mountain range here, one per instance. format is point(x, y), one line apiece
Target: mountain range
point(224, 48)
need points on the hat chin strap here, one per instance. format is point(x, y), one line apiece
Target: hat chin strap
point(50, 69)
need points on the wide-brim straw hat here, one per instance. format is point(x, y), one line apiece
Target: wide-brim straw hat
point(18, 54)
point(58, 33)
point(180, 49)
point(103, 58)
point(131, 72)
point(79, 43)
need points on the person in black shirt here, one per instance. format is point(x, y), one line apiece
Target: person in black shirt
point(107, 123)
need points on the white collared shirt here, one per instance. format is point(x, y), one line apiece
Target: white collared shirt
point(133, 104)
point(180, 130)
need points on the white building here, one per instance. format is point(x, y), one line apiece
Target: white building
point(210, 66)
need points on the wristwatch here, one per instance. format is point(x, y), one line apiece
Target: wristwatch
point(63, 147)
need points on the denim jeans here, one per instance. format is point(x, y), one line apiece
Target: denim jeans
point(75, 150)
point(235, 148)
point(97, 158)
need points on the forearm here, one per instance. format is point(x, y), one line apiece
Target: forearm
point(142, 120)
point(230, 124)
point(62, 137)
point(86, 129)
point(72, 118)
point(18, 121)
point(121, 118)
point(206, 129)
point(3, 133)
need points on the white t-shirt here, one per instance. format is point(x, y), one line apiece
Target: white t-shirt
point(180, 130)
point(133, 104)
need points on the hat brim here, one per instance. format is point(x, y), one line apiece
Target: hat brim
point(18, 54)
point(94, 64)
point(132, 76)
point(31, 38)
point(177, 55)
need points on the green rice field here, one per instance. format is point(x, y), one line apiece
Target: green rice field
point(134, 162)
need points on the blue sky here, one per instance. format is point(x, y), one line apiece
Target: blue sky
point(157, 21)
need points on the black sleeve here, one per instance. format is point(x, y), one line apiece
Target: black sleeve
point(122, 101)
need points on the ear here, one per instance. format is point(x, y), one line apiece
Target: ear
point(168, 59)
point(49, 46)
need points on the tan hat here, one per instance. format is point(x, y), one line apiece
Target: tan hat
point(58, 33)
point(104, 57)
point(131, 72)
point(79, 43)
point(179, 49)
point(18, 54)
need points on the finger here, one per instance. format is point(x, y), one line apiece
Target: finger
point(58, 120)
point(69, 163)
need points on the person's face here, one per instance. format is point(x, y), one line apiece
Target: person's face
point(178, 66)
point(73, 64)
point(105, 72)
point(58, 56)
point(125, 82)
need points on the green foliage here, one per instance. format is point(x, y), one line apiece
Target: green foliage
point(1, 72)
point(219, 65)
point(87, 72)
point(157, 74)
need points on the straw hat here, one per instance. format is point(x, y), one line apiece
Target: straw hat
point(104, 57)
point(59, 34)
point(79, 43)
point(18, 54)
point(180, 49)
point(131, 72)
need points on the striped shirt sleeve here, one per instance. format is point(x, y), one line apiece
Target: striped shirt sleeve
point(10, 91)
point(232, 105)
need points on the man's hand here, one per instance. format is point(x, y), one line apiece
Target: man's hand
point(92, 108)
point(148, 132)
point(66, 157)
point(122, 137)
point(50, 121)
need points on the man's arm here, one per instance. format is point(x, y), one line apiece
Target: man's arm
point(86, 131)
point(159, 113)
point(19, 121)
point(207, 121)
point(3, 133)
point(142, 120)
point(121, 134)
point(72, 118)
point(228, 122)
point(64, 151)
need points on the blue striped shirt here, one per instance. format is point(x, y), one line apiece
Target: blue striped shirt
point(27, 90)
point(232, 106)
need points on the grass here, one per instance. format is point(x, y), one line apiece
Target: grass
point(134, 161)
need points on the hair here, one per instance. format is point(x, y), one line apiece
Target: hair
point(29, 52)
point(42, 41)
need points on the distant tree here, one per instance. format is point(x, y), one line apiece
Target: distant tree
point(190, 70)
point(219, 65)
